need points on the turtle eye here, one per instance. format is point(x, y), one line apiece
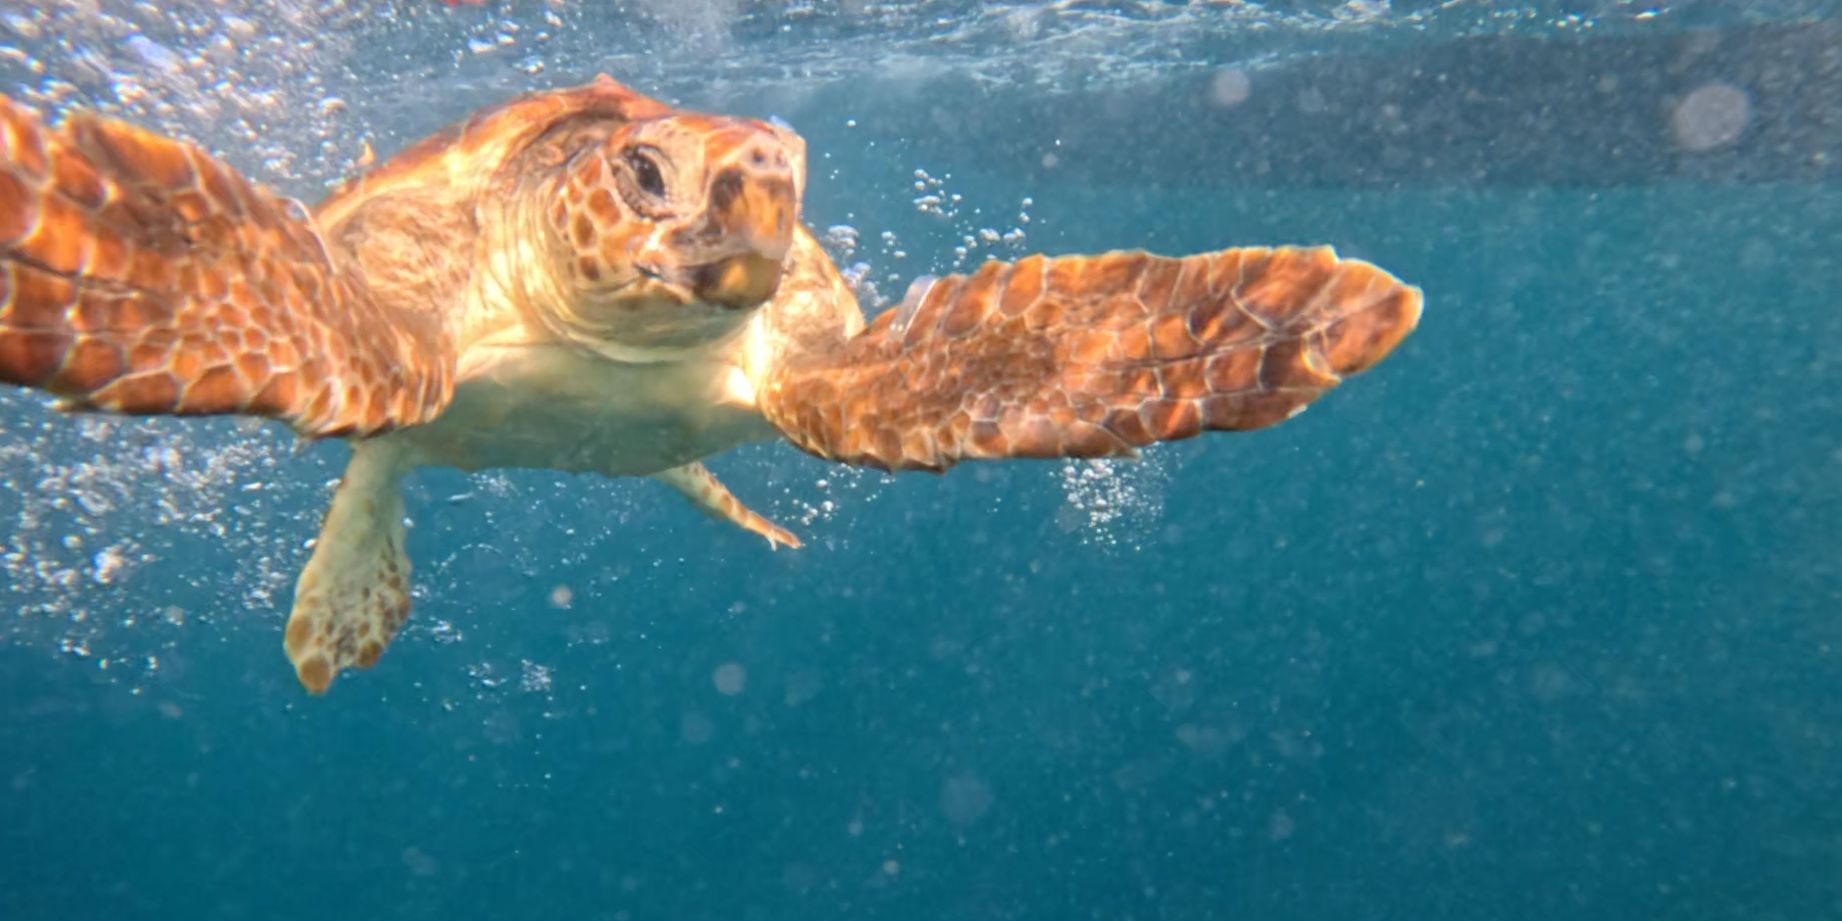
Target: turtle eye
point(646, 173)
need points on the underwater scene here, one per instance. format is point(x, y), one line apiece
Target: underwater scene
point(1538, 617)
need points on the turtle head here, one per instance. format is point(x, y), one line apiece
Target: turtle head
point(675, 229)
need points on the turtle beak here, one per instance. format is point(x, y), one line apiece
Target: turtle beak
point(738, 282)
point(753, 211)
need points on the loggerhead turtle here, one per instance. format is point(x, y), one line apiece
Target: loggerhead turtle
point(590, 280)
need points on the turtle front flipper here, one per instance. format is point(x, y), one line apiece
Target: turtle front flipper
point(353, 596)
point(1091, 356)
point(140, 275)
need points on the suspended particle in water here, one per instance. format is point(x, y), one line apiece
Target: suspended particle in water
point(730, 678)
point(1713, 115)
point(696, 728)
point(420, 863)
point(1230, 87)
point(1280, 826)
point(965, 799)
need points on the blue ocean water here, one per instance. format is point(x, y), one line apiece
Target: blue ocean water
point(1537, 619)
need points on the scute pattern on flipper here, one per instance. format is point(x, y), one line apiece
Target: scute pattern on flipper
point(338, 626)
point(140, 275)
point(1093, 356)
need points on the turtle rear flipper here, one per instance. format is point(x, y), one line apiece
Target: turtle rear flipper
point(353, 596)
point(1091, 356)
point(140, 275)
point(695, 482)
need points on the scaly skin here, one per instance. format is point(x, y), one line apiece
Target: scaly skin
point(144, 276)
point(587, 279)
point(139, 275)
point(1091, 356)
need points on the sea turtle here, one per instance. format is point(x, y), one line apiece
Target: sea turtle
point(589, 280)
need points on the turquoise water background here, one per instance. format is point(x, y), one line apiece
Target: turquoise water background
point(1537, 619)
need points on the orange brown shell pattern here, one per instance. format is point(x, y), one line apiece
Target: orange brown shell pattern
point(138, 274)
point(1092, 356)
point(462, 153)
